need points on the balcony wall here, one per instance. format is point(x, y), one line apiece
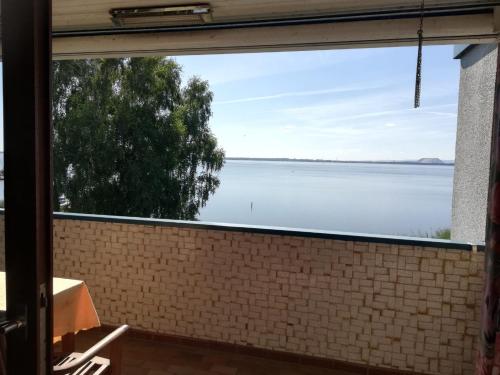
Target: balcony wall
point(381, 301)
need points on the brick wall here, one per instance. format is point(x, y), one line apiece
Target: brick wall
point(403, 307)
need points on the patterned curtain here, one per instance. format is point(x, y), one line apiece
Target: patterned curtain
point(486, 363)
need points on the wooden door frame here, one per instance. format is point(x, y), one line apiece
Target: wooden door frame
point(26, 50)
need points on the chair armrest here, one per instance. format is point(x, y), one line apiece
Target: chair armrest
point(91, 352)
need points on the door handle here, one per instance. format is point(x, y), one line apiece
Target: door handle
point(7, 326)
point(10, 325)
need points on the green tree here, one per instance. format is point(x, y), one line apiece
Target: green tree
point(130, 139)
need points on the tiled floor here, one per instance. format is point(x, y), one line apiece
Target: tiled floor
point(142, 357)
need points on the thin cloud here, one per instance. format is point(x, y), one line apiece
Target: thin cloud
point(250, 66)
point(326, 113)
point(446, 114)
point(297, 94)
point(369, 105)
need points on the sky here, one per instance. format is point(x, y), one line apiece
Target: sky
point(338, 104)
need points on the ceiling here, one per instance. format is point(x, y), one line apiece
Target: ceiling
point(83, 28)
point(91, 14)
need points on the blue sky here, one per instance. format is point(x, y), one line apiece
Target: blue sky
point(341, 104)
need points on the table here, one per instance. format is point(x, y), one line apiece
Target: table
point(73, 309)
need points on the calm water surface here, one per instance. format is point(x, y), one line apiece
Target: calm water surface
point(367, 198)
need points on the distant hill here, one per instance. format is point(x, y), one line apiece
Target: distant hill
point(430, 161)
point(426, 161)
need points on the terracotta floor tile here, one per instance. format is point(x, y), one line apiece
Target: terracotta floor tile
point(143, 357)
point(224, 370)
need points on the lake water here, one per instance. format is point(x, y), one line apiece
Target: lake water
point(367, 198)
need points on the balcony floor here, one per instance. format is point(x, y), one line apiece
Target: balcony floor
point(143, 357)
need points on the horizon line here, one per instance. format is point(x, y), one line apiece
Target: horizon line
point(434, 160)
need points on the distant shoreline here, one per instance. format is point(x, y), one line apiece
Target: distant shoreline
point(409, 162)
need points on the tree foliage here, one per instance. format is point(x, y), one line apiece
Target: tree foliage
point(130, 139)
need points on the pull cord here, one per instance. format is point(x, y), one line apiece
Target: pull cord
point(418, 78)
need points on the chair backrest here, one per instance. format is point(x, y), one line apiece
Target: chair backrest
point(91, 352)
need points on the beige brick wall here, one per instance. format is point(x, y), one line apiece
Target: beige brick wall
point(385, 305)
